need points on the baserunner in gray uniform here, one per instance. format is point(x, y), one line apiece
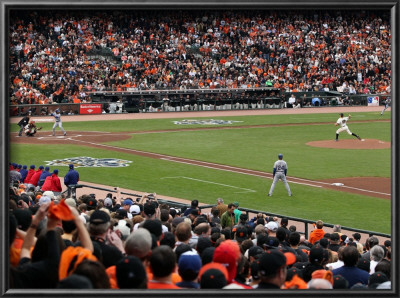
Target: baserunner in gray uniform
point(279, 172)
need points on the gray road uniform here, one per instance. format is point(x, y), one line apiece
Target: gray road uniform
point(57, 118)
point(279, 172)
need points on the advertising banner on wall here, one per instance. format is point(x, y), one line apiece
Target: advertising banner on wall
point(373, 101)
point(90, 108)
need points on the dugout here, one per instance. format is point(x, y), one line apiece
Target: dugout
point(144, 101)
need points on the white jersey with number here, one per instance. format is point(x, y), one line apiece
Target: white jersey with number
point(342, 121)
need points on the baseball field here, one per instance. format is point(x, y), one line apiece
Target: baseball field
point(205, 156)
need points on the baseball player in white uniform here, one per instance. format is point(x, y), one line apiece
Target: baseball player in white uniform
point(279, 172)
point(342, 121)
point(387, 104)
point(57, 116)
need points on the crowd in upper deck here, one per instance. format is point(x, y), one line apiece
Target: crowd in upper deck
point(62, 56)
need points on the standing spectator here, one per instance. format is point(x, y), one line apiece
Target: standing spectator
point(53, 183)
point(318, 233)
point(193, 206)
point(221, 206)
point(22, 123)
point(349, 270)
point(280, 172)
point(228, 218)
point(291, 101)
point(237, 212)
point(57, 122)
point(71, 179)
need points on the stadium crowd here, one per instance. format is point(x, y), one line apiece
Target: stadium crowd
point(117, 242)
point(60, 56)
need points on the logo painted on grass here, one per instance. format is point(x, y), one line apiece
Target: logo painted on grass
point(204, 122)
point(84, 161)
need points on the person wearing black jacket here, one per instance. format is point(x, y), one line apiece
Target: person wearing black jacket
point(22, 123)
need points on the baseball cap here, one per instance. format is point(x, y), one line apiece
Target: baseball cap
point(134, 209)
point(41, 167)
point(32, 166)
point(49, 194)
point(280, 155)
point(290, 258)
point(47, 168)
point(363, 264)
point(377, 278)
point(91, 203)
point(71, 166)
point(227, 253)
point(271, 242)
point(189, 261)
point(316, 254)
point(272, 226)
point(130, 272)
point(55, 171)
point(99, 217)
point(121, 213)
point(127, 202)
point(255, 251)
point(213, 276)
point(108, 202)
point(236, 204)
point(70, 202)
point(241, 233)
point(339, 282)
point(270, 262)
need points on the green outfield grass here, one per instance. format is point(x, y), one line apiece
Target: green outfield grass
point(250, 147)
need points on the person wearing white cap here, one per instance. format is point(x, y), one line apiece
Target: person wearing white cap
point(280, 172)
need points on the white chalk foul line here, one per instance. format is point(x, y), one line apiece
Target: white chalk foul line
point(211, 182)
point(234, 169)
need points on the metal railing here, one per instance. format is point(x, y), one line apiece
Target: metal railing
point(248, 211)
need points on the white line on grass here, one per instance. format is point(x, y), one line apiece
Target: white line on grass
point(238, 171)
point(213, 166)
point(210, 182)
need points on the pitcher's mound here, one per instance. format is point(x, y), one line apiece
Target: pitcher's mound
point(351, 144)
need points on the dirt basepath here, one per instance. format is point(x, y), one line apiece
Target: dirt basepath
point(372, 186)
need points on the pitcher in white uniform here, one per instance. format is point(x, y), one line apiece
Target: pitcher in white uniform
point(342, 121)
point(279, 172)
